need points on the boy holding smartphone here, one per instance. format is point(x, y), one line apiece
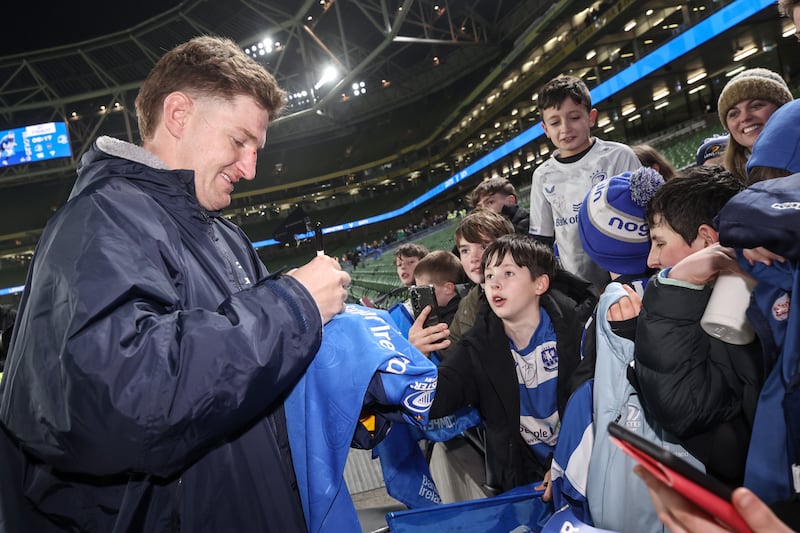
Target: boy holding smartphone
point(440, 270)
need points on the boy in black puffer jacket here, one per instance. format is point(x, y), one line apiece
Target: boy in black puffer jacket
point(698, 388)
point(513, 365)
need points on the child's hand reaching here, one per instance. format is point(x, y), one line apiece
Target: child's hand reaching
point(626, 307)
point(548, 489)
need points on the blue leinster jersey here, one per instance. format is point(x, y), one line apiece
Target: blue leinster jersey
point(537, 375)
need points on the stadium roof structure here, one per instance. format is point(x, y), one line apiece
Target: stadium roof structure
point(387, 48)
point(463, 73)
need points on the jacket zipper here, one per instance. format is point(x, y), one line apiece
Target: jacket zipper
point(175, 518)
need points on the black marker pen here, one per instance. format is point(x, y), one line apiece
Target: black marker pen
point(318, 239)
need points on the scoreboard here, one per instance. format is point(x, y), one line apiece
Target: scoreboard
point(38, 142)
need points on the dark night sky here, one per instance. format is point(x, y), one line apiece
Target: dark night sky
point(52, 23)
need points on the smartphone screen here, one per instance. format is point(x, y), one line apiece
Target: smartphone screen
point(422, 296)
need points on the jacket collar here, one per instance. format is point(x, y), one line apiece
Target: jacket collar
point(131, 152)
point(110, 157)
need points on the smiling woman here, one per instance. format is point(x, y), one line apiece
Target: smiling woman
point(744, 106)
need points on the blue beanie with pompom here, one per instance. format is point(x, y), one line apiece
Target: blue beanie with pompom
point(611, 221)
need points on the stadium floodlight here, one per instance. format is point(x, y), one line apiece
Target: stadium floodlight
point(328, 75)
point(359, 88)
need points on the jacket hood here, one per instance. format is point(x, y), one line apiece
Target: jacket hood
point(777, 145)
point(110, 158)
point(763, 214)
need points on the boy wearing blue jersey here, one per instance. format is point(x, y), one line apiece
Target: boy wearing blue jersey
point(514, 363)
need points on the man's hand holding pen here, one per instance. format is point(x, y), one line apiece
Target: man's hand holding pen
point(324, 279)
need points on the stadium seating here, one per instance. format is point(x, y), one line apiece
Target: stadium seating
point(378, 280)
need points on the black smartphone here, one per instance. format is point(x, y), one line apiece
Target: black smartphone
point(421, 297)
point(705, 491)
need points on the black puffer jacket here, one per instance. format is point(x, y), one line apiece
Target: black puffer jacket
point(700, 389)
point(519, 217)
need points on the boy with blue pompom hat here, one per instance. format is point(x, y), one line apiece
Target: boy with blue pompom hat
point(614, 234)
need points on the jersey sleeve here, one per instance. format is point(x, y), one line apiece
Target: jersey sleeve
point(541, 212)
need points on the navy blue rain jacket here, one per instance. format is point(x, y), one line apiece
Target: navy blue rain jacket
point(144, 384)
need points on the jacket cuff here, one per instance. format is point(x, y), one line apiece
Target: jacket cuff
point(664, 279)
point(305, 300)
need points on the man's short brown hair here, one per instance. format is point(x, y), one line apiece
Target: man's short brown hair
point(205, 66)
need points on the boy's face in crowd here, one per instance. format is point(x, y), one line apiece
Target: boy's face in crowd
point(405, 268)
point(746, 119)
point(667, 247)
point(470, 254)
point(219, 139)
point(569, 127)
point(496, 201)
point(510, 289)
point(444, 291)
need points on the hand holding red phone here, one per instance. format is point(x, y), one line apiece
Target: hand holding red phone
point(704, 491)
point(680, 514)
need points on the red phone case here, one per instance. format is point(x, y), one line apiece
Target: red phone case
point(714, 505)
